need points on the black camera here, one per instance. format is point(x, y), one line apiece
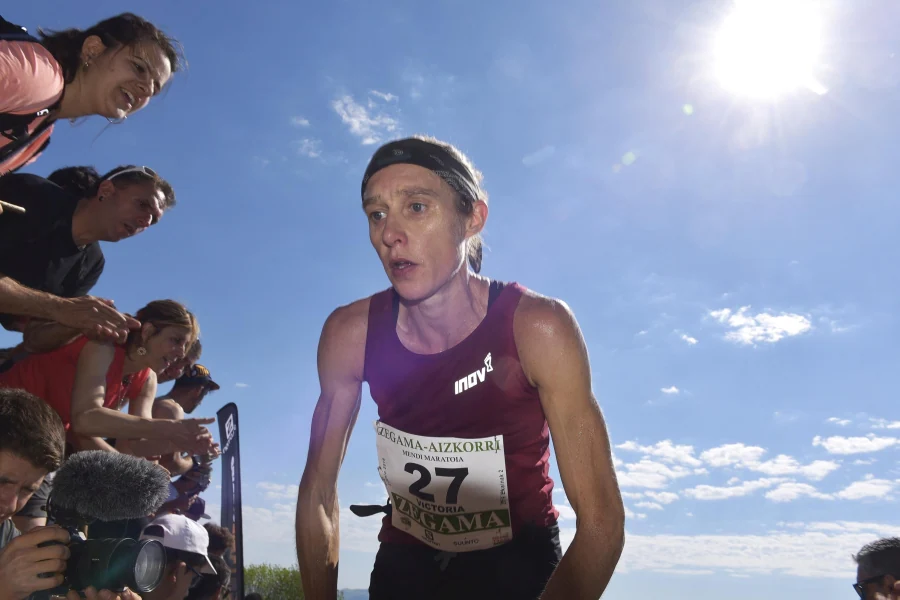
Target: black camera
point(106, 564)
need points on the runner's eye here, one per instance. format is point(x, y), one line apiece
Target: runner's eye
point(417, 207)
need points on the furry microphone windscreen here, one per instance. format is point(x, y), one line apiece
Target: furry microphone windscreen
point(109, 486)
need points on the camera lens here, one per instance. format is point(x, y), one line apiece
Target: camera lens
point(149, 565)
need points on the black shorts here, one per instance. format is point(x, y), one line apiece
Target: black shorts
point(518, 570)
point(36, 505)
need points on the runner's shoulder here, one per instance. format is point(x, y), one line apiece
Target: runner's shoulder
point(540, 319)
point(166, 408)
point(346, 326)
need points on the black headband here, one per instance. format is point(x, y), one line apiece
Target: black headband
point(426, 155)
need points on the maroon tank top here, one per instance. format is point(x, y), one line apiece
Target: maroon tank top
point(444, 395)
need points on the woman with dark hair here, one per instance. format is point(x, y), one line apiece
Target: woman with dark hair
point(111, 69)
point(88, 382)
point(50, 257)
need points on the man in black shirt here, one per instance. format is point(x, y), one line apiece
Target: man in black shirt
point(50, 257)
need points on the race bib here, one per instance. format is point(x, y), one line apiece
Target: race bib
point(450, 493)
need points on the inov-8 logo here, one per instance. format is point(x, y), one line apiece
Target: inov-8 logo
point(473, 379)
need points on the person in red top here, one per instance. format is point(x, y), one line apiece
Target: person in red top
point(471, 378)
point(87, 382)
point(111, 69)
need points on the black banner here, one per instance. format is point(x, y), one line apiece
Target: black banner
point(231, 495)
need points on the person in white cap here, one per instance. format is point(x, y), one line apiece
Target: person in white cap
point(186, 543)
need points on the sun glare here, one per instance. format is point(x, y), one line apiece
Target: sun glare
point(767, 48)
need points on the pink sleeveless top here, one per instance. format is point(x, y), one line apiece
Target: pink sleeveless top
point(423, 394)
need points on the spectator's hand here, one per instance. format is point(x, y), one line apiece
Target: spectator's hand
point(190, 435)
point(96, 318)
point(92, 594)
point(21, 561)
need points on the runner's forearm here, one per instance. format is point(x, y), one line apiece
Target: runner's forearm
point(318, 544)
point(585, 568)
point(105, 422)
point(176, 463)
point(17, 299)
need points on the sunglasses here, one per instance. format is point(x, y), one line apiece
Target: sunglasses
point(196, 577)
point(142, 170)
point(860, 586)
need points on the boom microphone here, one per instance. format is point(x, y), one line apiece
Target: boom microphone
point(109, 486)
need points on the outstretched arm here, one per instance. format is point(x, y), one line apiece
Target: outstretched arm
point(555, 359)
point(340, 364)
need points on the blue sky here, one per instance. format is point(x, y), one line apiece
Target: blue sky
point(731, 260)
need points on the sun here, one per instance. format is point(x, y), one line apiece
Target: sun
point(768, 48)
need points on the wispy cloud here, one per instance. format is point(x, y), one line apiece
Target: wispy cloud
point(387, 97)
point(854, 445)
point(662, 497)
point(539, 156)
point(670, 390)
point(369, 124)
point(309, 147)
point(763, 327)
point(690, 340)
point(884, 424)
point(242, 385)
point(299, 122)
point(709, 492)
point(790, 491)
point(651, 474)
point(838, 422)
point(870, 487)
point(277, 491)
point(665, 450)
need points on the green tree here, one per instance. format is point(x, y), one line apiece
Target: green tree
point(274, 582)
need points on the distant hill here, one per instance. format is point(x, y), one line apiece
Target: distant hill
point(356, 594)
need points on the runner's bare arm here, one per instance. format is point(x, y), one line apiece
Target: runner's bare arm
point(555, 359)
point(340, 363)
point(176, 463)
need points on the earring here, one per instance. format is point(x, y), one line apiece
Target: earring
point(100, 198)
point(87, 63)
point(142, 351)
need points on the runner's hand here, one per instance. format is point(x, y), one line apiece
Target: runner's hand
point(190, 435)
point(21, 561)
point(96, 318)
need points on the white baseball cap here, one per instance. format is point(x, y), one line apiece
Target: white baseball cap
point(180, 533)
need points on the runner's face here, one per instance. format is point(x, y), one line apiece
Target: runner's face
point(121, 81)
point(415, 228)
point(166, 347)
point(174, 371)
point(19, 479)
point(130, 209)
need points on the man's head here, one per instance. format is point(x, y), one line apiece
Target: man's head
point(186, 545)
point(177, 369)
point(191, 388)
point(32, 444)
point(878, 568)
point(117, 205)
point(213, 587)
point(220, 539)
point(426, 209)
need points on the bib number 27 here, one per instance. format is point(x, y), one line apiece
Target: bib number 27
point(416, 489)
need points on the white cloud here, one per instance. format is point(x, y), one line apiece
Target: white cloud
point(665, 450)
point(299, 122)
point(785, 465)
point(630, 514)
point(670, 390)
point(538, 156)
point(566, 513)
point(732, 455)
point(709, 492)
point(309, 147)
point(684, 571)
point(649, 505)
point(839, 422)
point(763, 327)
point(278, 491)
point(242, 385)
point(662, 497)
point(789, 491)
point(884, 424)
point(690, 340)
point(870, 461)
point(632, 495)
point(642, 332)
point(650, 474)
point(854, 445)
point(805, 551)
point(867, 488)
point(386, 97)
point(370, 127)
